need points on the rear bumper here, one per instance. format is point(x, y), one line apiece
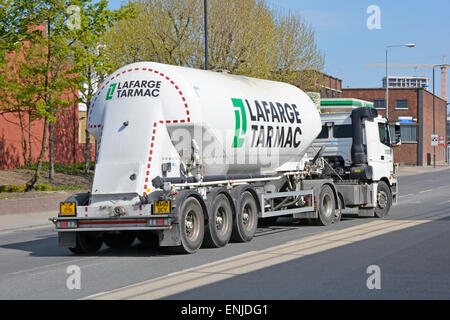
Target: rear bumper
point(71, 224)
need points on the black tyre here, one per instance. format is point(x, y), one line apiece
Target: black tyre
point(220, 224)
point(384, 200)
point(192, 226)
point(326, 206)
point(120, 240)
point(87, 242)
point(149, 238)
point(245, 221)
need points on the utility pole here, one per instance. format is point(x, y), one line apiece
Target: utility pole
point(205, 6)
point(434, 127)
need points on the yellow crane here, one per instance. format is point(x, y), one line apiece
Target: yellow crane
point(443, 68)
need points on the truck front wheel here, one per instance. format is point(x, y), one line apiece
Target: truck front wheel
point(326, 206)
point(384, 200)
point(192, 226)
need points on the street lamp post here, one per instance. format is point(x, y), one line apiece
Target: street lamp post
point(409, 45)
point(434, 120)
point(205, 7)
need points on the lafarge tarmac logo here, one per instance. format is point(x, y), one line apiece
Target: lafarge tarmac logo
point(272, 124)
point(134, 88)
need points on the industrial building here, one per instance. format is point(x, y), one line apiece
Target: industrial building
point(406, 82)
point(413, 109)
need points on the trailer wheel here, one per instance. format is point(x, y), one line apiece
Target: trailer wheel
point(87, 242)
point(326, 206)
point(220, 224)
point(192, 226)
point(246, 219)
point(384, 200)
point(121, 240)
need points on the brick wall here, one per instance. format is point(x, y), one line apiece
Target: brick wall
point(410, 153)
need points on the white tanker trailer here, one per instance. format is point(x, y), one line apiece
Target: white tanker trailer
point(190, 157)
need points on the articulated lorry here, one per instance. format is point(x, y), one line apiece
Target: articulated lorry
point(190, 158)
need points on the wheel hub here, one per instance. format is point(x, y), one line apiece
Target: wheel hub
point(382, 199)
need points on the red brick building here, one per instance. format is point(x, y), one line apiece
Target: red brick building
point(67, 146)
point(416, 103)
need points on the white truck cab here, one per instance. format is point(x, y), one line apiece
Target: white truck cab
point(372, 156)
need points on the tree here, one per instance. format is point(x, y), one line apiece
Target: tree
point(169, 32)
point(17, 98)
point(16, 17)
point(87, 52)
point(245, 37)
point(298, 60)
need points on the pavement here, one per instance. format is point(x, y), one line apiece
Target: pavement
point(286, 260)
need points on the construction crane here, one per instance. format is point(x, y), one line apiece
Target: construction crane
point(443, 67)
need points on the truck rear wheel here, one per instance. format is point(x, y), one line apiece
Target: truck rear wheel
point(220, 224)
point(246, 220)
point(384, 200)
point(192, 226)
point(87, 242)
point(326, 206)
point(120, 240)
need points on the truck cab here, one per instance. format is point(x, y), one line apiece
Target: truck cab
point(372, 156)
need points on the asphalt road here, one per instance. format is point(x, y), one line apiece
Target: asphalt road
point(289, 260)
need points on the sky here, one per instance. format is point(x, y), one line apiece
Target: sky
point(346, 41)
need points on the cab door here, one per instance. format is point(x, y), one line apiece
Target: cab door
point(384, 156)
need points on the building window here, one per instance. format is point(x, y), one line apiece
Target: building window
point(401, 104)
point(408, 133)
point(379, 104)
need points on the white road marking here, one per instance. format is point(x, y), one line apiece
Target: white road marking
point(252, 261)
point(48, 266)
point(428, 190)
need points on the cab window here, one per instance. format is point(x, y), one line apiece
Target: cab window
point(343, 131)
point(324, 133)
point(384, 134)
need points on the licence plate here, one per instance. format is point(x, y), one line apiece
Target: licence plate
point(67, 209)
point(162, 207)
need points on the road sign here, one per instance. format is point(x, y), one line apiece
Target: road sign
point(434, 140)
point(441, 141)
point(405, 120)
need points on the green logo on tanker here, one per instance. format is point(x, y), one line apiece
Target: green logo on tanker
point(241, 123)
point(110, 93)
point(272, 124)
